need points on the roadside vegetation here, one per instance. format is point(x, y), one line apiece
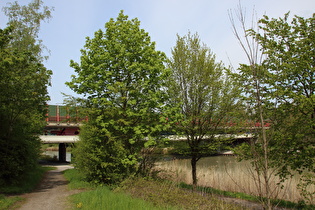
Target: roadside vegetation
point(231, 180)
point(149, 193)
point(139, 193)
point(9, 193)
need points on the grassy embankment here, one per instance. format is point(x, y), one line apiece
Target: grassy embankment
point(140, 193)
point(8, 193)
point(235, 181)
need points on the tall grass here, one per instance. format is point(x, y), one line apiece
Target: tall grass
point(139, 193)
point(231, 177)
point(103, 198)
point(165, 193)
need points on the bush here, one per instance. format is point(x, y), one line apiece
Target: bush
point(101, 158)
point(19, 153)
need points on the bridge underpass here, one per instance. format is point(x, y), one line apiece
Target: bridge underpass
point(61, 141)
point(62, 127)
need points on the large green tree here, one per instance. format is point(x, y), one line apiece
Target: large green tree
point(205, 95)
point(23, 84)
point(122, 77)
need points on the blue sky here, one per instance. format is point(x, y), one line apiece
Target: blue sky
point(73, 20)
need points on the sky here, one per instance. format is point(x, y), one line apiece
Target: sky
point(74, 20)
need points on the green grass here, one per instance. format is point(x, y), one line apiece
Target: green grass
point(104, 198)
point(30, 181)
point(8, 202)
point(139, 193)
point(76, 180)
point(165, 193)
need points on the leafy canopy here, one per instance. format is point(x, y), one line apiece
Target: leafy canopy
point(122, 77)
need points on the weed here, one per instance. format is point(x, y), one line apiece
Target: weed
point(104, 198)
point(76, 180)
point(166, 193)
point(28, 183)
point(8, 202)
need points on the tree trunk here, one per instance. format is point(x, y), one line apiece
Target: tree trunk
point(194, 171)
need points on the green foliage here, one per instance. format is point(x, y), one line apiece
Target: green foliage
point(26, 21)
point(201, 89)
point(100, 157)
point(23, 84)
point(122, 76)
point(281, 89)
point(202, 94)
point(289, 64)
point(307, 181)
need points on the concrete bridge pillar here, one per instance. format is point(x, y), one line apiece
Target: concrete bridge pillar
point(62, 152)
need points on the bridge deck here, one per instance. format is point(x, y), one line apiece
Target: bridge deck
point(47, 139)
point(56, 139)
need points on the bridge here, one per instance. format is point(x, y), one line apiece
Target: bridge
point(62, 127)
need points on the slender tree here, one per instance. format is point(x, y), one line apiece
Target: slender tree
point(121, 75)
point(204, 93)
point(27, 20)
point(252, 76)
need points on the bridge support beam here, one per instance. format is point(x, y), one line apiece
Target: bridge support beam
point(62, 152)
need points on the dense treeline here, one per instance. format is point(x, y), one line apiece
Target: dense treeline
point(23, 85)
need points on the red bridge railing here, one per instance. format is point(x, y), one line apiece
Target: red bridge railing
point(64, 114)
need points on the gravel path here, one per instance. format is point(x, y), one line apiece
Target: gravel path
point(51, 194)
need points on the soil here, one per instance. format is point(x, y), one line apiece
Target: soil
point(52, 192)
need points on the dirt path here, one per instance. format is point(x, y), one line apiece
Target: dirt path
point(51, 194)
